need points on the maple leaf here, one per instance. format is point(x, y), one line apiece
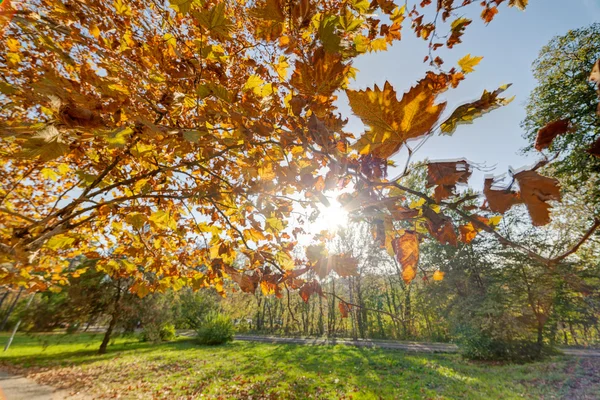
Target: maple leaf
point(489, 13)
point(500, 200)
point(215, 21)
point(546, 135)
point(321, 76)
point(310, 288)
point(467, 232)
point(536, 191)
point(406, 248)
point(446, 175)
point(458, 27)
point(440, 227)
point(393, 122)
point(520, 4)
point(344, 308)
point(466, 113)
point(467, 63)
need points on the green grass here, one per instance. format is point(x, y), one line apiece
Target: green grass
point(183, 369)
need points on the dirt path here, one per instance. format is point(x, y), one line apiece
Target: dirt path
point(386, 344)
point(16, 387)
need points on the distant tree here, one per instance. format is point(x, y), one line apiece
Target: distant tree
point(562, 70)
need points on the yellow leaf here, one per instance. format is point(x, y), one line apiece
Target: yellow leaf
point(122, 8)
point(393, 122)
point(466, 113)
point(49, 174)
point(60, 242)
point(13, 45)
point(467, 63)
point(253, 82)
point(95, 31)
point(379, 45)
point(274, 224)
point(438, 275)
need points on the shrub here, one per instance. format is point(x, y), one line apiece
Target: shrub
point(158, 333)
point(167, 332)
point(216, 329)
point(475, 345)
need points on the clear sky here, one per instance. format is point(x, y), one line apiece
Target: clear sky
point(509, 45)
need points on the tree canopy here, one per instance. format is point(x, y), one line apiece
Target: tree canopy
point(171, 142)
point(566, 101)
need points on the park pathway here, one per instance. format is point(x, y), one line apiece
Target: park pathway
point(386, 344)
point(16, 387)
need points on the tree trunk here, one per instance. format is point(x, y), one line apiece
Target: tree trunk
point(113, 322)
point(10, 309)
point(111, 327)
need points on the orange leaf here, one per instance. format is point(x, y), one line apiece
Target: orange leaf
point(467, 232)
point(536, 190)
point(500, 200)
point(344, 308)
point(446, 175)
point(546, 135)
point(438, 276)
point(406, 248)
point(309, 288)
point(391, 122)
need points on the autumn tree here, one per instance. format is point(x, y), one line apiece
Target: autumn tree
point(172, 142)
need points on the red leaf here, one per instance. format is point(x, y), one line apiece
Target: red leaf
point(547, 134)
point(309, 288)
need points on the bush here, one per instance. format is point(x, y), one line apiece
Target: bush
point(476, 345)
point(157, 333)
point(216, 329)
point(167, 332)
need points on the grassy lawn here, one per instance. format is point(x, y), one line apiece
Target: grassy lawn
point(182, 369)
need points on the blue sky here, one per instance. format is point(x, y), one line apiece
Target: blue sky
point(509, 45)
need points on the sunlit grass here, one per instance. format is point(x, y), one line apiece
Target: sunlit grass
point(258, 370)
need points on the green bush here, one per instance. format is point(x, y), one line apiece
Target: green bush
point(475, 345)
point(216, 329)
point(167, 332)
point(158, 333)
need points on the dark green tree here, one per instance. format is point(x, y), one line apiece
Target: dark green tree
point(562, 70)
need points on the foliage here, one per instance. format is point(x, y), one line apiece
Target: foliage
point(563, 104)
point(154, 333)
point(215, 329)
point(476, 345)
point(172, 142)
point(242, 370)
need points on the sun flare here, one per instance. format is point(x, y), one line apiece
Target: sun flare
point(330, 218)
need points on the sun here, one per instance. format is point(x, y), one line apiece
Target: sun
point(331, 218)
